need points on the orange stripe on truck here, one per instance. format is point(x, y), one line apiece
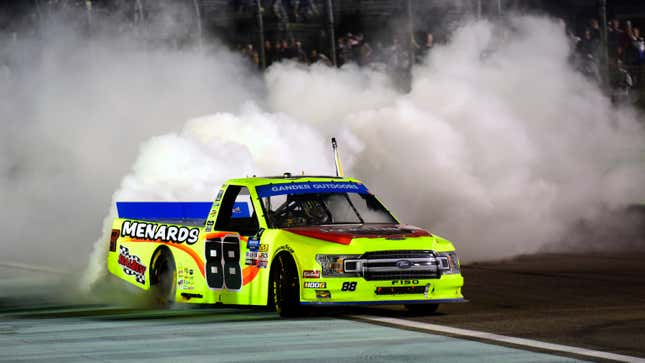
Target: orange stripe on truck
point(249, 273)
point(190, 252)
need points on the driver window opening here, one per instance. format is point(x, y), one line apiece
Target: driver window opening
point(242, 217)
point(295, 210)
point(315, 209)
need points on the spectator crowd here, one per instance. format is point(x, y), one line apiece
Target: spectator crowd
point(624, 43)
point(283, 50)
point(350, 48)
point(625, 49)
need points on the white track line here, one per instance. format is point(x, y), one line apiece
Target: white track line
point(23, 266)
point(502, 339)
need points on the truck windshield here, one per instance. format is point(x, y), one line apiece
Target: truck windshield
point(298, 210)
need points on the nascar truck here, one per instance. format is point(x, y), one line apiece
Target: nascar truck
point(285, 242)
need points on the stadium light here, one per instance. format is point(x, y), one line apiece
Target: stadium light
point(263, 58)
point(88, 7)
point(332, 35)
point(198, 13)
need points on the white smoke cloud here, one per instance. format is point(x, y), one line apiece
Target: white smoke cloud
point(499, 146)
point(74, 112)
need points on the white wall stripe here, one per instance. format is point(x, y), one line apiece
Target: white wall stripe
point(24, 266)
point(501, 338)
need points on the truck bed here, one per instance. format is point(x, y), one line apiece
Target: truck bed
point(182, 213)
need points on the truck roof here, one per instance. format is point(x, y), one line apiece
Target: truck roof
point(195, 213)
point(289, 178)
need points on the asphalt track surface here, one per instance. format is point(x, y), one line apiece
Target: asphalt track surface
point(593, 301)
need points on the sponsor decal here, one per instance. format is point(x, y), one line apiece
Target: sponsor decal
point(219, 195)
point(283, 248)
point(251, 258)
point(405, 282)
point(209, 226)
point(315, 285)
point(311, 274)
point(113, 237)
point(132, 265)
point(310, 187)
point(323, 294)
point(159, 232)
point(263, 259)
point(253, 244)
point(257, 253)
point(186, 284)
point(185, 279)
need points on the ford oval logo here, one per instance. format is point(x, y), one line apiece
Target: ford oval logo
point(403, 264)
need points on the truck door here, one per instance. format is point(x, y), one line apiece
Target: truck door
point(236, 214)
point(223, 252)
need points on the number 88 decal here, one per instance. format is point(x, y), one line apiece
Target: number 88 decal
point(349, 286)
point(223, 269)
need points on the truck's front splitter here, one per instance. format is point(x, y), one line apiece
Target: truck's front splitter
point(384, 302)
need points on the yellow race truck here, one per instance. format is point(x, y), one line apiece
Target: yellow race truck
point(286, 242)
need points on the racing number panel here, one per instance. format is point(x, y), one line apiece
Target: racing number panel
point(223, 269)
point(222, 253)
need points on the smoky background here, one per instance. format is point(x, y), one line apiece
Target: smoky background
point(497, 142)
point(75, 108)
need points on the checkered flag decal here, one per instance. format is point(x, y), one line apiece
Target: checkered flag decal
point(132, 265)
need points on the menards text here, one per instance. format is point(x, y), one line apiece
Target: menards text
point(159, 232)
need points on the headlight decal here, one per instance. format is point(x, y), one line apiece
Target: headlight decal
point(335, 265)
point(452, 264)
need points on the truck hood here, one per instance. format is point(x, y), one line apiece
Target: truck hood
point(344, 234)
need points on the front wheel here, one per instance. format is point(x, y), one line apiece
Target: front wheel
point(163, 278)
point(284, 289)
point(422, 309)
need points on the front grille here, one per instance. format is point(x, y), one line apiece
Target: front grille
point(397, 254)
point(396, 265)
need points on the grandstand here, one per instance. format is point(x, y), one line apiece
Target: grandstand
point(360, 31)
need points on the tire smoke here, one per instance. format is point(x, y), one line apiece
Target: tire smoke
point(500, 146)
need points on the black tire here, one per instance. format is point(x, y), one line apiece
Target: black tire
point(422, 309)
point(163, 278)
point(284, 287)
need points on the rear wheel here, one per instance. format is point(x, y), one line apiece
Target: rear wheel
point(422, 308)
point(163, 278)
point(284, 288)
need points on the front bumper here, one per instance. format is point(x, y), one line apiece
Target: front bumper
point(383, 302)
point(355, 291)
